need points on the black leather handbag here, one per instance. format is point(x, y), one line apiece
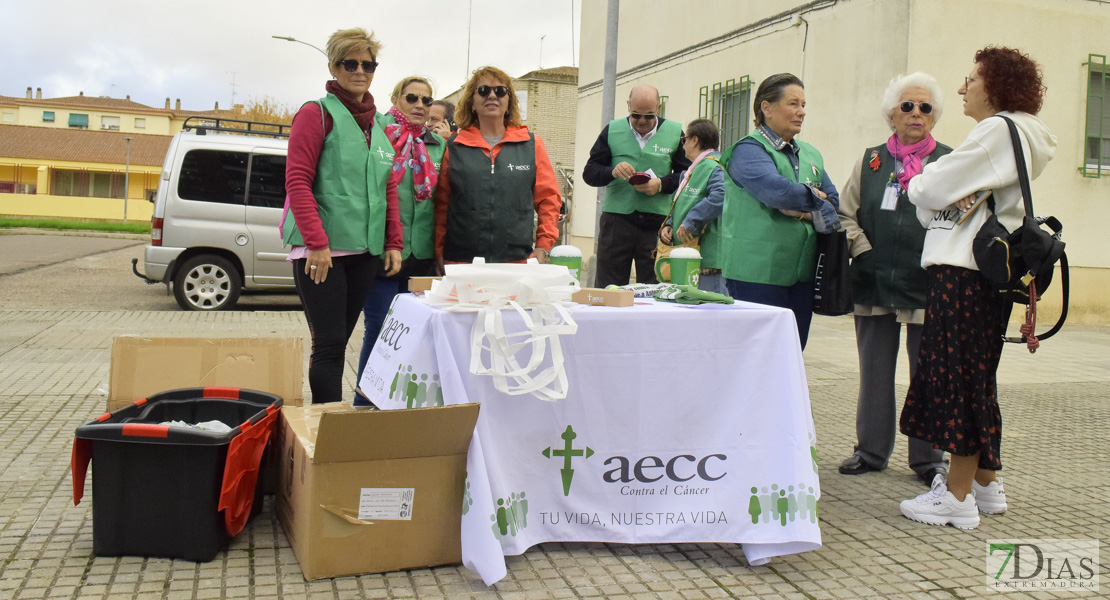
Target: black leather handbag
point(832, 285)
point(1020, 264)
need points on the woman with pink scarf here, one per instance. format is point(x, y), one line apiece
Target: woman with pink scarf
point(417, 154)
point(888, 283)
point(699, 201)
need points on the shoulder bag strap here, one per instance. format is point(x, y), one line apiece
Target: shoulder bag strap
point(1023, 174)
point(1027, 196)
point(670, 212)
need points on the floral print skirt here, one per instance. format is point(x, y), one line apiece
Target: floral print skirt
point(953, 397)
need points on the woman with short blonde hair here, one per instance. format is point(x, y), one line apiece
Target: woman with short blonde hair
point(341, 211)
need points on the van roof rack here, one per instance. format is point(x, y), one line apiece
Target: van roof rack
point(203, 125)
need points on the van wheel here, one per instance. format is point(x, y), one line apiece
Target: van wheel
point(207, 282)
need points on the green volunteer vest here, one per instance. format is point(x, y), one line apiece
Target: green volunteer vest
point(417, 218)
point(492, 207)
point(620, 196)
point(694, 192)
point(760, 244)
point(350, 184)
point(890, 274)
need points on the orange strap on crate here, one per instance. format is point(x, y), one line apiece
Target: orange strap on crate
point(79, 465)
point(244, 456)
point(222, 392)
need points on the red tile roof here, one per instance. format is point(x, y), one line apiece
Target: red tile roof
point(104, 103)
point(80, 145)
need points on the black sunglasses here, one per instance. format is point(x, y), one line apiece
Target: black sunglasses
point(682, 140)
point(413, 98)
point(350, 65)
point(499, 91)
point(907, 107)
point(638, 116)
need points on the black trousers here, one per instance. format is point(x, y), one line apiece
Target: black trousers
point(624, 240)
point(332, 309)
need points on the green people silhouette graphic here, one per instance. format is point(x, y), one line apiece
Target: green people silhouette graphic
point(468, 500)
point(511, 515)
point(783, 505)
point(416, 390)
point(813, 449)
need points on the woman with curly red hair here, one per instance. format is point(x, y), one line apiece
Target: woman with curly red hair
point(953, 396)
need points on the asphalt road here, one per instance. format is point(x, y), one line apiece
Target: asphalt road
point(53, 271)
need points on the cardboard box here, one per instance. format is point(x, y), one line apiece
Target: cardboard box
point(371, 491)
point(603, 297)
point(142, 366)
point(421, 284)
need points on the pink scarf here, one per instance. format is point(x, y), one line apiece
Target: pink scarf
point(409, 152)
point(690, 171)
point(910, 156)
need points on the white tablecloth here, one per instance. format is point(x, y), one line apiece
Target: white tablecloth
point(681, 424)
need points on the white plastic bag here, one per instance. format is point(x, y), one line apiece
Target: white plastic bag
point(539, 293)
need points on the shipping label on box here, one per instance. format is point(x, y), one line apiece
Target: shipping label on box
point(382, 504)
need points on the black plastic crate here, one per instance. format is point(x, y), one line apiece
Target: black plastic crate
point(171, 491)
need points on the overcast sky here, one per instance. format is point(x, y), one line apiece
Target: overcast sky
point(197, 50)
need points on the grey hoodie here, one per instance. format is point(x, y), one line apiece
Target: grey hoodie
point(984, 161)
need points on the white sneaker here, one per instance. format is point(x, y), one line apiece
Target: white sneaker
point(939, 507)
point(991, 499)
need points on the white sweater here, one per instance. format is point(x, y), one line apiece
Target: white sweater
point(984, 161)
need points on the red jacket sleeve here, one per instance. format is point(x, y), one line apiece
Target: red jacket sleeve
point(548, 200)
point(306, 139)
point(442, 197)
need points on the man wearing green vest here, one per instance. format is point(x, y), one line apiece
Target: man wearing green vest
point(632, 214)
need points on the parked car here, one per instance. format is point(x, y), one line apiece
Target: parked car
point(220, 197)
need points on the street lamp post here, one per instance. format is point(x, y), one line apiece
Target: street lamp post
point(292, 39)
point(126, 176)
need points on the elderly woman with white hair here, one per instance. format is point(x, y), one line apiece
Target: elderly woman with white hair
point(888, 284)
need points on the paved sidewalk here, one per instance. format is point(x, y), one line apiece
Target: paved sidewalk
point(1055, 404)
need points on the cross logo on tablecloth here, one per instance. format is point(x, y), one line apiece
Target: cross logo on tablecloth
point(568, 452)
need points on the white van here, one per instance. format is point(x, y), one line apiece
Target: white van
point(215, 227)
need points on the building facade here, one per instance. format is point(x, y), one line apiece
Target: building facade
point(707, 58)
point(549, 102)
point(72, 157)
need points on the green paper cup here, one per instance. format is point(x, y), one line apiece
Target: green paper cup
point(568, 256)
point(685, 266)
